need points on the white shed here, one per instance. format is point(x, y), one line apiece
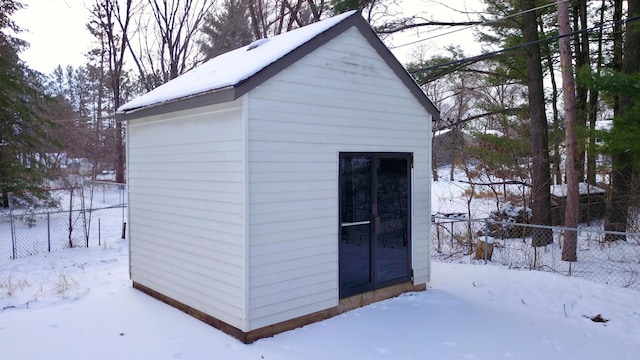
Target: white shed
point(283, 182)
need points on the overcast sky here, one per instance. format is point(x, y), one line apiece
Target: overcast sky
point(56, 31)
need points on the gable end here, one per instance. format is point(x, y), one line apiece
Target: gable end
point(233, 93)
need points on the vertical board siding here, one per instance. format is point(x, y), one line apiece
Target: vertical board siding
point(341, 97)
point(186, 212)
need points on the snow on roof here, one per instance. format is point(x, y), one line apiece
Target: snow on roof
point(442, 132)
point(604, 124)
point(583, 189)
point(493, 132)
point(232, 68)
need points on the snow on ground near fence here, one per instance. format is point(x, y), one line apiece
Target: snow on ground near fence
point(41, 230)
point(615, 263)
point(79, 304)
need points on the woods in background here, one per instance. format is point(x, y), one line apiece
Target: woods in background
point(510, 97)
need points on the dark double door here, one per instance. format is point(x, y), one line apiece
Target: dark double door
point(375, 198)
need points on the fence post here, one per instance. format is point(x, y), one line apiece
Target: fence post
point(87, 228)
point(451, 235)
point(13, 225)
point(124, 224)
point(49, 231)
point(71, 217)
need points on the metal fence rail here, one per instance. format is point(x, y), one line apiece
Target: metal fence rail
point(510, 244)
point(85, 216)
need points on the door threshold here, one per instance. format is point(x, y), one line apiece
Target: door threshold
point(370, 297)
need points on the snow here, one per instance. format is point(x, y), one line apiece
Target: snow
point(441, 132)
point(513, 211)
point(451, 197)
point(232, 68)
point(493, 132)
point(79, 304)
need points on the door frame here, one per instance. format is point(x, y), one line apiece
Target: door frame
point(374, 284)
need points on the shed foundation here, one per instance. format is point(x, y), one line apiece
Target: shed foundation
point(248, 337)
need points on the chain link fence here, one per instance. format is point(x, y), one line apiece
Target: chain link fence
point(510, 244)
point(88, 215)
point(84, 216)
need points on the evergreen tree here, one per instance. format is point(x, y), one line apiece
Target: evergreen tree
point(24, 143)
point(227, 30)
point(341, 6)
point(623, 139)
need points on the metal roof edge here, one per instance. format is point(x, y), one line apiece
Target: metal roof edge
point(216, 96)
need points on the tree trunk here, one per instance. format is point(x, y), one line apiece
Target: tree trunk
point(114, 22)
point(555, 123)
point(541, 176)
point(571, 139)
point(254, 12)
point(120, 160)
point(5, 199)
point(581, 92)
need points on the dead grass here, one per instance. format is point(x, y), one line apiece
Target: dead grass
point(11, 285)
point(65, 286)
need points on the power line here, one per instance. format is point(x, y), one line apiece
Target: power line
point(491, 54)
point(486, 23)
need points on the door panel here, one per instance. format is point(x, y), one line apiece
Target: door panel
point(392, 233)
point(355, 223)
point(374, 221)
point(355, 255)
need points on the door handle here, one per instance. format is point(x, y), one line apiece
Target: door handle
point(346, 224)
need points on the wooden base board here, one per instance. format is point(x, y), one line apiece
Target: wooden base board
point(344, 305)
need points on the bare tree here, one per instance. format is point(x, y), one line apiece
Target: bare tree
point(273, 17)
point(166, 42)
point(114, 19)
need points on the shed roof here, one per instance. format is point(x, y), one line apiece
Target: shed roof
point(232, 74)
point(584, 188)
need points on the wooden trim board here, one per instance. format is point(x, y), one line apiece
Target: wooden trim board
point(344, 305)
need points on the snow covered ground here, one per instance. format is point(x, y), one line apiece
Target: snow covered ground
point(79, 304)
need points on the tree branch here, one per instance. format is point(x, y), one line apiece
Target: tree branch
point(392, 28)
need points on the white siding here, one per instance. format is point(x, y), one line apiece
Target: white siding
point(341, 97)
point(186, 208)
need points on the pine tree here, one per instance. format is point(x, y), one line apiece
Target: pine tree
point(226, 30)
point(623, 139)
point(24, 145)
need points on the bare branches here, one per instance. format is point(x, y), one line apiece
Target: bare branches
point(456, 123)
point(273, 17)
point(406, 24)
point(176, 23)
point(113, 20)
